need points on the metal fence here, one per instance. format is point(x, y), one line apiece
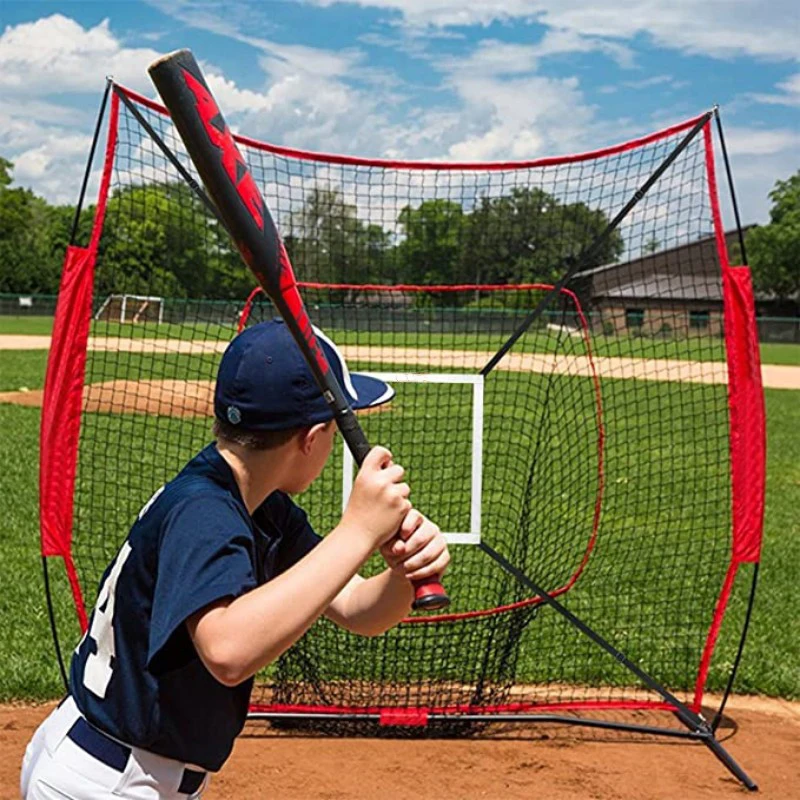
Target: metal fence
point(770, 329)
point(27, 305)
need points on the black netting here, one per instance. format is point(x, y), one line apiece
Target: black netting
point(603, 460)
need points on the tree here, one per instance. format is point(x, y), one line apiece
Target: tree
point(525, 237)
point(774, 249)
point(33, 237)
point(651, 246)
point(529, 236)
point(328, 242)
point(430, 252)
point(159, 239)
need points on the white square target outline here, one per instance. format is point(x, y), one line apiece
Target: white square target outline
point(473, 536)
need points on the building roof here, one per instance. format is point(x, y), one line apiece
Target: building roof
point(665, 286)
point(689, 271)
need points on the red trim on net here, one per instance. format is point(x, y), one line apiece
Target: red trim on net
point(153, 105)
point(426, 711)
point(244, 315)
point(387, 163)
point(108, 167)
point(430, 619)
point(713, 633)
point(443, 287)
point(746, 418)
point(59, 434)
point(489, 166)
point(77, 592)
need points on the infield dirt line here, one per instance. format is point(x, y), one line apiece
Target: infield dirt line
point(670, 370)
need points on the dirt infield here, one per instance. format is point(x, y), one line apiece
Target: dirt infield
point(670, 370)
point(549, 762)
point(166, 398)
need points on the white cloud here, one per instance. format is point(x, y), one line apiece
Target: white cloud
point(43, 63)
point(758, 158)
point(722, 29)
point(493, 57)
point(499, 126)
point(788, 93)
point(55, 54)
point(744, 141)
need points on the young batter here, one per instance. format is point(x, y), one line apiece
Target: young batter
point(219, 575)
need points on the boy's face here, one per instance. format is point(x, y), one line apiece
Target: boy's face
point(315, 448)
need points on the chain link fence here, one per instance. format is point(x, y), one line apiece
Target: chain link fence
point(770, 329)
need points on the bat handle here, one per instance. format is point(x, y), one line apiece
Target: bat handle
point(429, 595)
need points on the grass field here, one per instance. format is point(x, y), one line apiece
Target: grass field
point(695, 349)
point(772, 660)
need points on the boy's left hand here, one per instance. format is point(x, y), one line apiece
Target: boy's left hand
point(419, 550)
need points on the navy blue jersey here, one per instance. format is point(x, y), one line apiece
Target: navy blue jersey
point(136, 674)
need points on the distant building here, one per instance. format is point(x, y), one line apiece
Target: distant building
point(672, 292)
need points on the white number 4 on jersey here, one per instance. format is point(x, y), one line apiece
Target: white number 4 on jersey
point(98, 669)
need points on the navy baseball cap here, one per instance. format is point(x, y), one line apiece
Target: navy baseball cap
point(264, 383)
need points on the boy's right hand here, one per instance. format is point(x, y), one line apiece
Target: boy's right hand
point(379, 500)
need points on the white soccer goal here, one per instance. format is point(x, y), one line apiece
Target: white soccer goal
point(131, 308)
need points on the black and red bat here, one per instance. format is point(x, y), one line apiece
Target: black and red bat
point(210, 145)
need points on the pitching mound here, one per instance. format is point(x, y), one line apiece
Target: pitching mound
point(165, 398)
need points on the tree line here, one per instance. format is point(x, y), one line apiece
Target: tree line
point(159, 239)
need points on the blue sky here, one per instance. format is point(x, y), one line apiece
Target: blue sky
point(460, 79)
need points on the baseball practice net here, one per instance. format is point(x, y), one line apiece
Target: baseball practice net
point(578, 407)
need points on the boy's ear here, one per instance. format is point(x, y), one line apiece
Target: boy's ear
point(308, 436)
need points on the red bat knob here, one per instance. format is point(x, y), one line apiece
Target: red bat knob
point(429, 596)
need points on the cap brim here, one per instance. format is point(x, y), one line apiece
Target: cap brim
point(371, 391)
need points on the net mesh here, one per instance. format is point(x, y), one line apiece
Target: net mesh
point(603, 461)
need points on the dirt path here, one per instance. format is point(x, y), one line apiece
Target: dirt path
point(540, 762)
point(709, 372)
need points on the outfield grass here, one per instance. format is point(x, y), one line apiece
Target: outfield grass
point(543, 341)
point(772, 660)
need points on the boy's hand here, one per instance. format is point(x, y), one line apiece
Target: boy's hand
point(419, 550)
point(379, 500)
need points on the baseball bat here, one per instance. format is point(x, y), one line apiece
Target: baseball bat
point(223, 170)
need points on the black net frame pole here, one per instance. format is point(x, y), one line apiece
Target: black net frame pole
point(577, 263)
point(79, 207)
point(729, 174)
point(688, 717)
point(53, 629)
point(735, 668)
point(754, 582)
point(171, 157)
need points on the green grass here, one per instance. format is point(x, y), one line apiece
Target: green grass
point(26, 326)
point(787, 354)
point(618, 595)
point(22, 368)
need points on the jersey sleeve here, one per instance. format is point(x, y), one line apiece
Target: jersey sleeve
point(206, 554)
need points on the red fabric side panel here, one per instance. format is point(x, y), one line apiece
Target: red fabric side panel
point(747, 417)
point(63, 398)
point(745, 391)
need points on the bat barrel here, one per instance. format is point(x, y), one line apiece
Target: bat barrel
point(223, 170)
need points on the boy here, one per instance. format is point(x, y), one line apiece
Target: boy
point(221, 573)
